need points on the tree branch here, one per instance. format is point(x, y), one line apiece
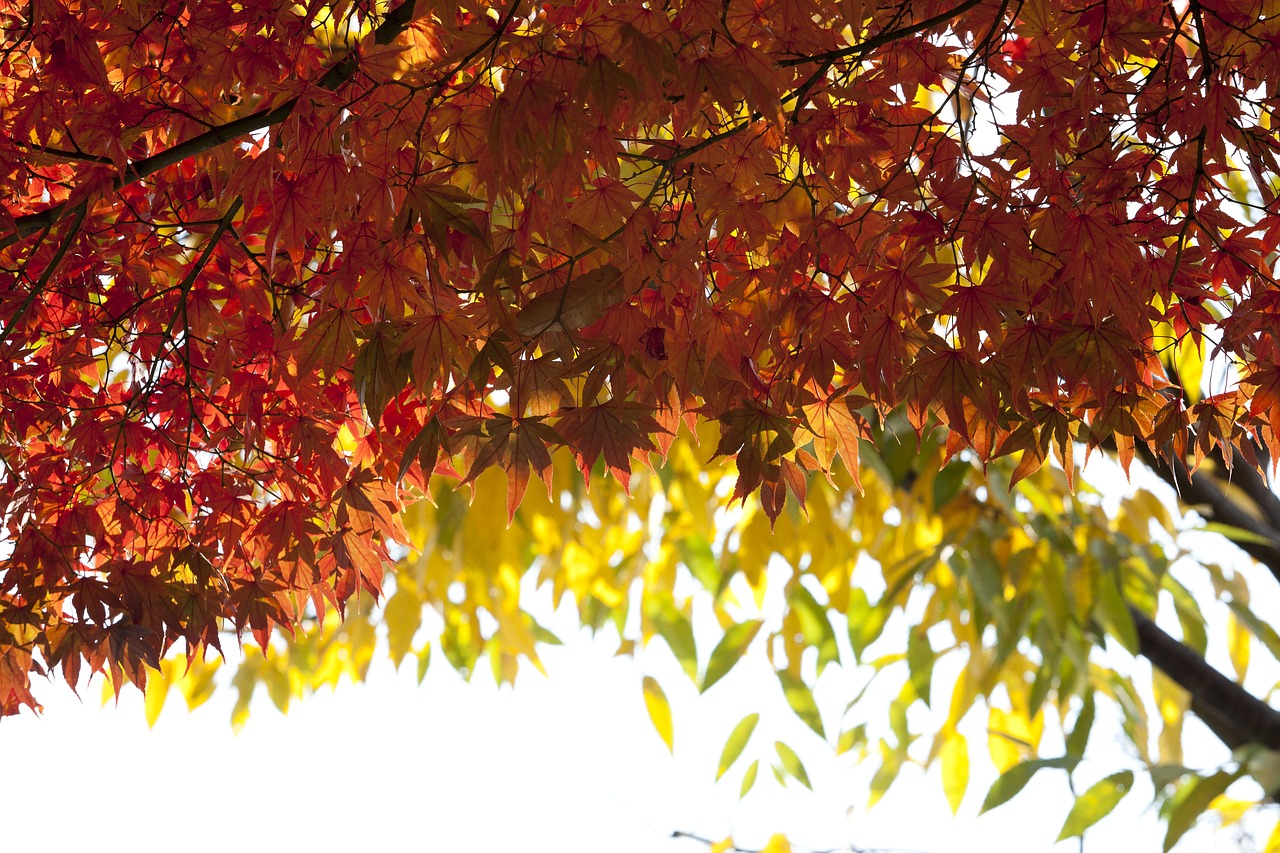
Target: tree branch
point(882, 39)
point(1231, 712)
point(1199, 490)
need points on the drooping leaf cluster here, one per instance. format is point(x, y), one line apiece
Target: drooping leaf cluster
point(263, 265)
point(964, 624)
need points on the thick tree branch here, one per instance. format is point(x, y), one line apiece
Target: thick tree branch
point(1231, 712)
point(1246, 476)
point(1200, 490)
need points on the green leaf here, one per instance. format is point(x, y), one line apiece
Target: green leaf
point(866, 622)
point(749, 778)
point(851, 738)
point(801, 700)
point(946, 485)
point(1236, 534)
point(1192, 800)
point(1113, 613)
point(920, 658)
point(1189, 616)
point(542, 635)
point(1079, 737)
point(1096, 803)
point(659, 711)
point(815, 625)
point(674, 627)
point(695, 552)
point(791, 763)
point(736, 743)
point(1016, 778)
point(890, 765)
point(729, 651)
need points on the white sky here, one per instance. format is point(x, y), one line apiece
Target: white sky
point(567, 764)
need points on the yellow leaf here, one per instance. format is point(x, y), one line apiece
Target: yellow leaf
point(955, 769)
point(749, 778)
point(198, 684)
point(158, 690)
point(1273, 841)
point(777, 844)
point(1238, 646)
point(736, 743)
point(403, 615)
point(1172, 702)
point(1231, 809)
point(659, 711)
point(1010, 738)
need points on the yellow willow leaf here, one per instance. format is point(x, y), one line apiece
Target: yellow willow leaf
point(1238, 642)
point(1172, 702)
point(955, 769)
point(1010, 738)
point(749, 778)
point(1096, 803)
point(659, 711)
point(737, 742)
point(777, 844)
point(1230, 809)
point(424, 661)
point(791, 764)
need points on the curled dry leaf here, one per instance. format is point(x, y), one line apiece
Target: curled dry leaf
point(579, 303)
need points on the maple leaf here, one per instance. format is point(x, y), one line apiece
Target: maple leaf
point(579, 303)
point(615, 431)
point(424, 241)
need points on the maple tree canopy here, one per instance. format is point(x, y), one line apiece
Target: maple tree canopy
point(267, 268)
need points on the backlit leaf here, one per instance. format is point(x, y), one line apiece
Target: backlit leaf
point(655, 700)
point(1192, 800)
point(1096, 803)
point(801, 700)
point(791, 764)
point(1016, 778)
point(729, 650)
point(749, 778)
point(955, 769)
point(736, 743)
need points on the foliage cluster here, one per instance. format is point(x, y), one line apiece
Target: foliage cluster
point(270, 272)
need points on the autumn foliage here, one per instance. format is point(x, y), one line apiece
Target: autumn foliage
point(266, 269)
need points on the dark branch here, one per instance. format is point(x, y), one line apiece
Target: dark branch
point(1231, 712)
point(1200, 490)
point(882, 39)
